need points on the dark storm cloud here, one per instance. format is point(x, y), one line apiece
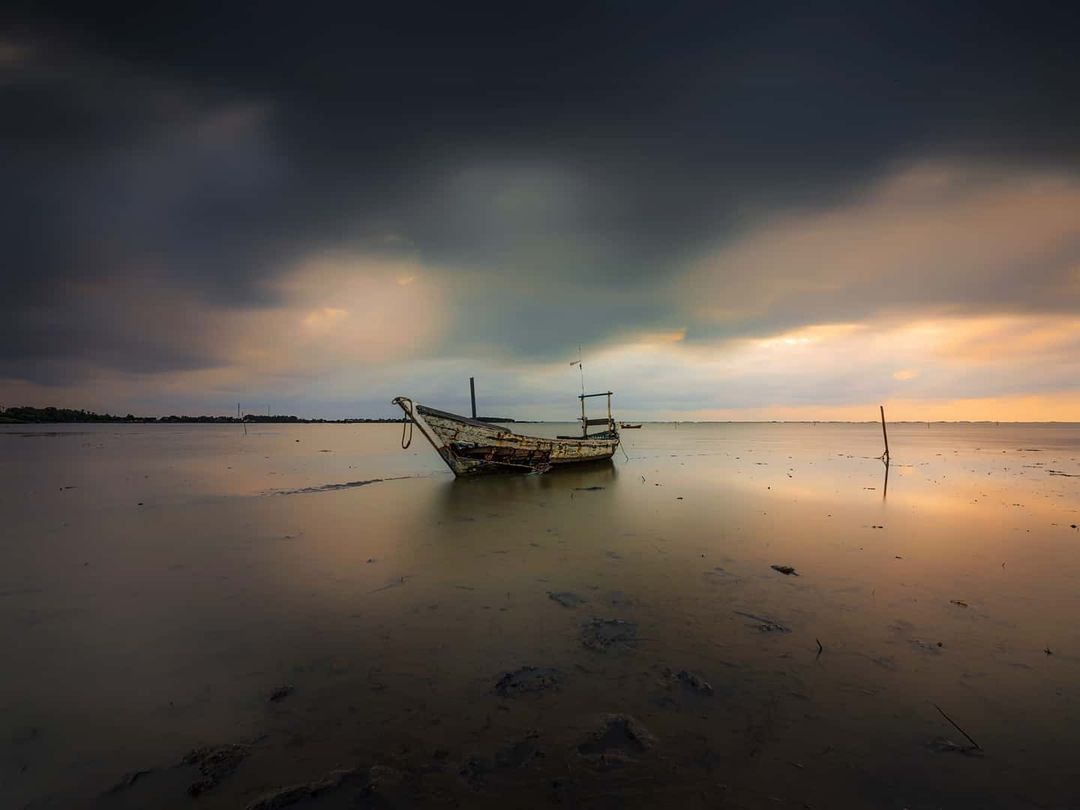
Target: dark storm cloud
point(586, 150)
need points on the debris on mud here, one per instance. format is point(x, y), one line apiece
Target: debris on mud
point(528, 680)
point(943, 745)
point(567, 598)
point(601, 634)
point(786, 570)
point(288, 796)
point(394, 583)
point(974, 747)
point(587, 489)
point(281, 693)
point(214, 763)
point(763, 623)
point(958, 602)
point(127, 780)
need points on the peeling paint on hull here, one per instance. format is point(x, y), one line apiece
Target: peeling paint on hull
point(474, 448)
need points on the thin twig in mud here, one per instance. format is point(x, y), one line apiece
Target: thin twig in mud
point(820, 649)
point(957, 727)
point(396, 584)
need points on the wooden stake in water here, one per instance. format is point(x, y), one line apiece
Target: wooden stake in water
point(885, 434)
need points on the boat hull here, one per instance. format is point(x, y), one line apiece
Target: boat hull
point(470, 447)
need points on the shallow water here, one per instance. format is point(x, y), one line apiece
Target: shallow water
point(158, 583)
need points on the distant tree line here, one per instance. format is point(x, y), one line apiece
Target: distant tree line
point(26, 415)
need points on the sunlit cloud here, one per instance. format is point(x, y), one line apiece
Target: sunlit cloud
point(338, 313)
point(930, 238)
point(323, 320)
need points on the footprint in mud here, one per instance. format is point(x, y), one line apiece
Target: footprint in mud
point(692, 681)
point(676, 688)
point(616, 741)
point(528, 680)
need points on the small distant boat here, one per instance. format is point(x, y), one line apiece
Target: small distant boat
point(628, 426)
point(471, 447)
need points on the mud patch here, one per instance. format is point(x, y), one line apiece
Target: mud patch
point(567, 598)
point(763, 624)
point(528, 681)
point(616, 741)
point(602, 634)
point(720, 576)
point(214, 763)
point(369, 783)
point(692, 681)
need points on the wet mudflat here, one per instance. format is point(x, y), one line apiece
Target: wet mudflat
point(194, 618)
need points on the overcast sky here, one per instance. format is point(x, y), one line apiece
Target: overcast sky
point(737, 211)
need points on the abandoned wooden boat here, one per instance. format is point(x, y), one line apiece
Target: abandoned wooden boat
point(471, 447)
point(628, 426)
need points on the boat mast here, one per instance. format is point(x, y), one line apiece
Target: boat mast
point(584, 423)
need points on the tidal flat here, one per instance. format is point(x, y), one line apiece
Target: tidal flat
point(310, 616)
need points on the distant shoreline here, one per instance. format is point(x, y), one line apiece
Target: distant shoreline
point(70, 416)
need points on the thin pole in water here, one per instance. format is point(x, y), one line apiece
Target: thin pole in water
point(885, 435)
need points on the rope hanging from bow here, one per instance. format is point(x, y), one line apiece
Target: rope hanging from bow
point(407, 425)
